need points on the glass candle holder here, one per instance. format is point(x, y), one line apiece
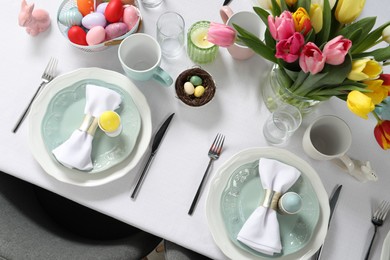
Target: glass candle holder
point(199, 49)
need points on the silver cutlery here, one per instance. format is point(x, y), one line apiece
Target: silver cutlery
point(156, 143)
point(214, 153)
point(377, 220)
point(46, 77)
point(332, 204)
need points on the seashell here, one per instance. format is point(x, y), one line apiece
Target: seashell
point(70, 17)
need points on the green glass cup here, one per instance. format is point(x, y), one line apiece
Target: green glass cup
point(198, 48)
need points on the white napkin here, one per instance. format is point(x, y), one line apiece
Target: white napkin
point(76, 151)
point(261, 230)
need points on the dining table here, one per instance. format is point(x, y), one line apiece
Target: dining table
point(237, 111)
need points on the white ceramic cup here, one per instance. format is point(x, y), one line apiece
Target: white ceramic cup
point(248, 21)
point(170, 34)
point(328, 137)
point(140, 57)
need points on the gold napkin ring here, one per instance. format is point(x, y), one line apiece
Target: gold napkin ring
point(89, 124)
point(271, 199)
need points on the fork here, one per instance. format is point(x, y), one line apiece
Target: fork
point(214, 153)
point(46, 77)
point(377, 219)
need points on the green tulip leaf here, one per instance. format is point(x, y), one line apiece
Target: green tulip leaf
point(323, 35)
point(369, 41)
point(365, 25)
point(263, 14)
point(255, 44)
point(304, 3)
point(378, 54)
point(275, 8)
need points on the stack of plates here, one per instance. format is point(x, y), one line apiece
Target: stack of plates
point(385, 255)
point(59, 110)
point(236, 191)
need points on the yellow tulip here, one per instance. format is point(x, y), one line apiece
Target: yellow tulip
point(302, 21)
point(364, 69)
point(360, 104)
point(348, 10)
point(316, 17)
point(321, 3)
point(386, 34)
point(379, 92)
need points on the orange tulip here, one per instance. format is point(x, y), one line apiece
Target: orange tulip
point(382, 134)
point(302, 21)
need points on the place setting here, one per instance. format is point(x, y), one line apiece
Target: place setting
point(92, 126)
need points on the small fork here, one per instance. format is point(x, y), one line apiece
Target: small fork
point(214, 152)
point(377, 219)
point(47, 76)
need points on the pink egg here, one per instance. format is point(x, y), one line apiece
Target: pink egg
point(130, 16)
point(114, 30)
point(96, 35)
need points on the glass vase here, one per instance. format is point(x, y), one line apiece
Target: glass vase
point(275, 93)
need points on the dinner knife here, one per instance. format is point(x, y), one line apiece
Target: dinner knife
point(156, 143)
point(332, 204)
point(226, 2)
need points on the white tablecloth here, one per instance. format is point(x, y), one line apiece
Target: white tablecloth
point(237, 111)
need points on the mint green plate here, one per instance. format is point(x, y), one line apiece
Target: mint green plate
point(244, 193)
point(65, 113)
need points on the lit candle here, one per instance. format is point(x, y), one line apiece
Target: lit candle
point(199, 38)
point(199, 49)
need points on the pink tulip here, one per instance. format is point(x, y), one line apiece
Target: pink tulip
point(289, 49)
point(311, 59)
point(281, 28)
point(336, 49)
point(221, 34)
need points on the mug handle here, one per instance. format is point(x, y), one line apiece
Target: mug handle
point(225, 13)
point(162, 77)
point(348, 163)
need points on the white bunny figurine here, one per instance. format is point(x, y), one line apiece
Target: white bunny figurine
point(35, 21)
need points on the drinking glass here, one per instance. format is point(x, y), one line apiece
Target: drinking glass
point(282, 124)
point(170, 34)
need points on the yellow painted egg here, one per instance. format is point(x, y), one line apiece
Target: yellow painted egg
point(109, 121)
point(199, 91)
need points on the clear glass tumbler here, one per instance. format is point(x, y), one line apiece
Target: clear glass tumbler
point(170, 34)
point(282, 124)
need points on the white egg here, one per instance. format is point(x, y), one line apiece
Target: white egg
point(189, 89)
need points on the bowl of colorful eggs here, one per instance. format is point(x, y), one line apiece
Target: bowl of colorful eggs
point(195, 87)
point(93, 25)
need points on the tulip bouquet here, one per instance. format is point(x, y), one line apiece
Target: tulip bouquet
point(322, 51)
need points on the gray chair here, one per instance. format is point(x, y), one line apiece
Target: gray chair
point(37, 225)
point(173, 251)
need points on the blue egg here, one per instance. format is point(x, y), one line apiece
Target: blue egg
point(290, 203)
point(70, 17)
point(196, 80)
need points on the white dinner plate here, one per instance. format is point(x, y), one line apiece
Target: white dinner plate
point(76, 177)
point(218, 184)
point(385, 255)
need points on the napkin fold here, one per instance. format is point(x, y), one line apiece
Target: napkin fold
point(75, 152)
point(261, 230)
